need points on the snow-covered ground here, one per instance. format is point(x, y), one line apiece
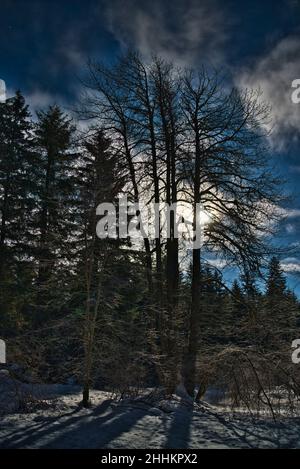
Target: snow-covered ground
point(53, 418)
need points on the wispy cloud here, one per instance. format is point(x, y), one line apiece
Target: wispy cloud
point(218, 263)
point(274, 74)
point(290, 213)
point(40, 99)
point(294, 169)
point(181, 31)
point(291, 265)
point(290, 228)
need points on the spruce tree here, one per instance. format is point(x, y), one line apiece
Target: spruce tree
point(17, 200)
point(281, 308)
point(55, 217)
point(276, 282)
point(98, 181)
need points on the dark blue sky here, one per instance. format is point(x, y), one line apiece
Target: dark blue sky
point(44, 45)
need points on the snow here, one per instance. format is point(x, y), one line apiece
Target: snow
point(53, 418)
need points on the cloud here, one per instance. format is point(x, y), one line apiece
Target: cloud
point(71, 49)
point(290, 264)
point(40, 99)
point(274, 74)
point(290, 213)
point(180, 32)
point(290, 228)
point(291, 268)
point(218, 263)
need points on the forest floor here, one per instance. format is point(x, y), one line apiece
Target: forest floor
point(50, 416)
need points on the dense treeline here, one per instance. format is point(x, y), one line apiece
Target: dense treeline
point(106, 312)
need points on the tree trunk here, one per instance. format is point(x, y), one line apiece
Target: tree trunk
point(190, 361)
point(189, 371)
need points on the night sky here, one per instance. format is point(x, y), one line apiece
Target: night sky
point(45, 44)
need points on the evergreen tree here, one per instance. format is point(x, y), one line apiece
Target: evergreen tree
point(237, 296)
point(99, 181)
point(55, 218)
point(280, 310)
point(17, 200)
point(251, 293)
point(276, 282)
point(238, 301)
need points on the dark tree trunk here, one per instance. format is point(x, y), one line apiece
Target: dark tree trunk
point(189, 371)
point(190, 361)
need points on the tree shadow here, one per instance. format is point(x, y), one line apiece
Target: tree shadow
point(241, 433)
point(95, 429)
point(179, 430)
